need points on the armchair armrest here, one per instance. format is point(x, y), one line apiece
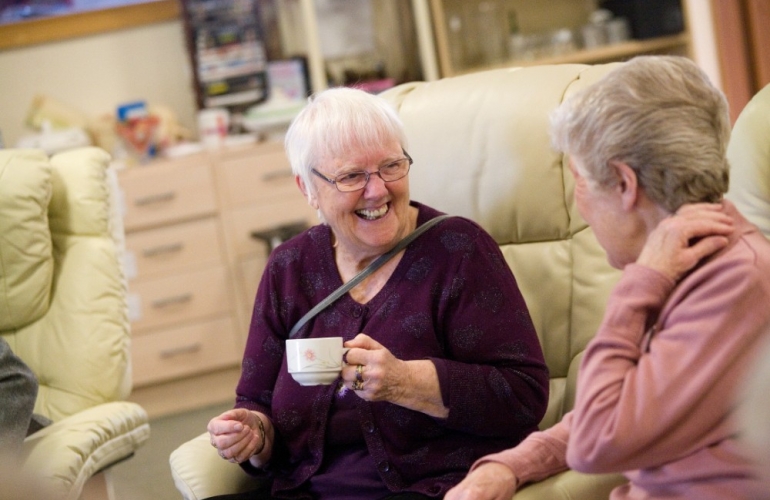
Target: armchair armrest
point(199, 472)
point(68, 452)
point(572, 485)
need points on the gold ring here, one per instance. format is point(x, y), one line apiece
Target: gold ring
point(358, 385)
point(360, 373)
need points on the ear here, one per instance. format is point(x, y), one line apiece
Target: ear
point(628, 185)
point(311, 199)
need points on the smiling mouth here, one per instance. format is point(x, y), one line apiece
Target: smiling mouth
point(373, 214)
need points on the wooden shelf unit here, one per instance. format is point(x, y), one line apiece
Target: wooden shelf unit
point(558, 13)
point(675, 44)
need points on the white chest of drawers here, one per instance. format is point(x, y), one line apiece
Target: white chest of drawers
point(256, 196)
point(193, 267)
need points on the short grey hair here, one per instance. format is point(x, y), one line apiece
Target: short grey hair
point(336, 121)
point(662, 117)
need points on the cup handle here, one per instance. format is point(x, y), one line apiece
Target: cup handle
point(344, 355)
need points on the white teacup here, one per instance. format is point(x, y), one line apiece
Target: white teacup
point(315, 361)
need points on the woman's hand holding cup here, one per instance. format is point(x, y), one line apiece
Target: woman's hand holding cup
point(372, 371)
point(375, 374)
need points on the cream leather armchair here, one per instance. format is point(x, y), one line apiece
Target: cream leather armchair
point(481, 149)
point(63, 311)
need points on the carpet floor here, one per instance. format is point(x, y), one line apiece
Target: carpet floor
point(146, 475)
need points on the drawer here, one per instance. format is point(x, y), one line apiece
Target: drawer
point(167, 191)
point(262, 175)
point(241, 222)
point(184, 351)
point(160, 302)
point(173, 249)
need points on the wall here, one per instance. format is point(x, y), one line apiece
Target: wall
point(744, 49)
point(704, 51)
point(94, 74)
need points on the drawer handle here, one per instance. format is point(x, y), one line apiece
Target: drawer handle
point(155, 198)
point(277, 174)
point(169, 301)
point(178, 351)
point(161, 249)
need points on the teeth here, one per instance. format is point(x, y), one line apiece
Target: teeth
point(373, 214)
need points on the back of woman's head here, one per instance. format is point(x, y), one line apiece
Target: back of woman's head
point(336, 122)
point(661, 116)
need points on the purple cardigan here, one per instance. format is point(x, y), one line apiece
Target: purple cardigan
point(451, 299)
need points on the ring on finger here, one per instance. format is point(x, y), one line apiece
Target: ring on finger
point(360, 374)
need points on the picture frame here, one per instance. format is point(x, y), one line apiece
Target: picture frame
point(288, 78)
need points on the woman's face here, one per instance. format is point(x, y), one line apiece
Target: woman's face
point(370, 221)
point(602, 209)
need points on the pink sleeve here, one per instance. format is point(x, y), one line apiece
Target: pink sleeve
point(644, 397)
point(540, 455)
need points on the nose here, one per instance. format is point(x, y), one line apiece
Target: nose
point(375, 186)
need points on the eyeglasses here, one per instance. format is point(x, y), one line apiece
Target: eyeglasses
point(355, 181)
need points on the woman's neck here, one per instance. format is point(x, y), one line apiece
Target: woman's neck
point(349, 264)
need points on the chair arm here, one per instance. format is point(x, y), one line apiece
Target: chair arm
point(199, 472)
point(572, 485)
point(68, 452)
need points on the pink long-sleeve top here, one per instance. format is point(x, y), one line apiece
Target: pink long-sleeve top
point(657, 384)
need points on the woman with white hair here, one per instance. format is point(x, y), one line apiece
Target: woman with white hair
point(444, 363)
point(656, 389)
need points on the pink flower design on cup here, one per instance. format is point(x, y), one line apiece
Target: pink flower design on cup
point(321, 360)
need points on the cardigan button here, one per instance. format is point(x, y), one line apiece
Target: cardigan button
point(358, 311)
point(384, 466)
point(435, 489)
point(369, 426)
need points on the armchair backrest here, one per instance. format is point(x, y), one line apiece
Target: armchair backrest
point(62, 291)
point(481, 149)
point(749, 155)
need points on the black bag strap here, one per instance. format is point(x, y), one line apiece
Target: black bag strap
point(358, 278)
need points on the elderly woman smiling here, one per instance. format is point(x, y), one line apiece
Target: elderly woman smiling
point(448, 367)
point(656, 390)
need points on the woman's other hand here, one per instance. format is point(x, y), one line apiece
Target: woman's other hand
point(236, 434)
point(679, 242)
point(490, 481)
point(376, 375)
